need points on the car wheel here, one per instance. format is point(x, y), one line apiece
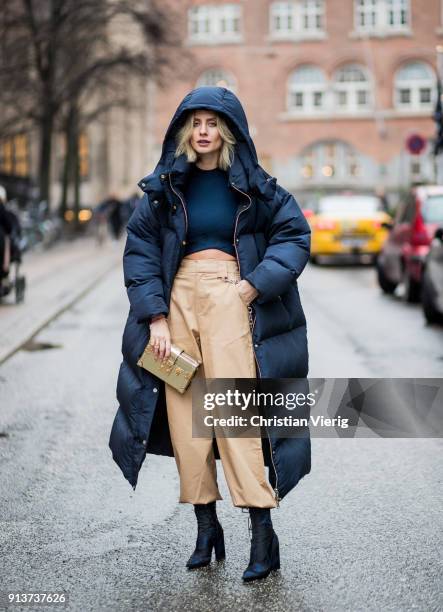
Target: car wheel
point(313, 259)
point(432, 315)
point(412, 289)
point(386, 285)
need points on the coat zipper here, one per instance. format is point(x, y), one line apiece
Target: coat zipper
point(182, 203)
point(252, 325)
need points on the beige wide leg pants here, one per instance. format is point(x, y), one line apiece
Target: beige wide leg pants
point(209, 320)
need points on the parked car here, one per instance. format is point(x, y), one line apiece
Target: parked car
point(402, 258)
point(347, 224)
point(432, 285)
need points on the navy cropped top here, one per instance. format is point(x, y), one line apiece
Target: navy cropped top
point(211, 208)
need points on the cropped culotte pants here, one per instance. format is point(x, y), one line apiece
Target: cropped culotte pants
point(209, 320)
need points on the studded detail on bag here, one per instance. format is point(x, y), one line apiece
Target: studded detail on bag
point(177, 370)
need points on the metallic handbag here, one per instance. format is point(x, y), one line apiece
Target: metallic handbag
point(177, 370)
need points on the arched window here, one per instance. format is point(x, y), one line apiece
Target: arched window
point(330, 161)
point(217, 77)
point(414, 86)
point(352, 89)
point(307, 89)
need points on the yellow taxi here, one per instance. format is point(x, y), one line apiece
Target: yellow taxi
point(344, 224)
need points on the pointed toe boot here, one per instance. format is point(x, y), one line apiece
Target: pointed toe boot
point(210, 536)
point(265, 552)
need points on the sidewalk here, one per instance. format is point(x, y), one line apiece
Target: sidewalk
point(55, 279)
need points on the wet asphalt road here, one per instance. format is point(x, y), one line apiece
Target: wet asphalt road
point(361, 532)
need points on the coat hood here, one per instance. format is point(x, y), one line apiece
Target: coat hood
point(245, 171)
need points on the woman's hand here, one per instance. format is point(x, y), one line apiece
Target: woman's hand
point(247, 291)
point(160, 337)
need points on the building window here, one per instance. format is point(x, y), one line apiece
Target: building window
point(297, 19)
point(310, 93)
point(199, 21)
point(330, 162)
point(217, 77)
point(381, 16)
point(14, 155)
point(282, 18)
point(311, 15)
point(307, 90)
point(229, 19)
point(366, 14)
point(352, 90)
point(415, 87)
point(83, 156)
point(397, 13)
point(215, 23)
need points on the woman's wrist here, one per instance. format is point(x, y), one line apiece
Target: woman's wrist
point(158, 317)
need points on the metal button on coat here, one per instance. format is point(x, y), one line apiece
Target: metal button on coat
point(155, 390)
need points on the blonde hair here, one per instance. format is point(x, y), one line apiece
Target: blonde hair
point(183, 141)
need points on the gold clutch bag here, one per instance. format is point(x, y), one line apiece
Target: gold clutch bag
point(177, 370)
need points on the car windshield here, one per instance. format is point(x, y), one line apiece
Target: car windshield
point(345, 205)
point(432, 209)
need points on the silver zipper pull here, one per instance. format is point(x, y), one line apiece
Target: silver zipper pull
point(277, 498)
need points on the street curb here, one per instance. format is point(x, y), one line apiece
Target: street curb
point(9, 352)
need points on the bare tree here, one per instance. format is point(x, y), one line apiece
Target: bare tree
point(58, 55)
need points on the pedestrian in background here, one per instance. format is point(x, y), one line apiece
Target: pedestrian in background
point(211, 262)
point(111, 211)
point(6, 228)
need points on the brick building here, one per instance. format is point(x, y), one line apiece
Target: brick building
point(332, 88)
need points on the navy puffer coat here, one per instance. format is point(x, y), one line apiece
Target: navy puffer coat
point(272, 241)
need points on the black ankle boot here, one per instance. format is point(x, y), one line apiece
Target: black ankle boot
point(210, 535)
point(265, 554)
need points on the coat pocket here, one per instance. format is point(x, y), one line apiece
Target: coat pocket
point(272, 319)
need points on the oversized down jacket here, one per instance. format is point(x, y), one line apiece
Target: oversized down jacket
point(272, 243)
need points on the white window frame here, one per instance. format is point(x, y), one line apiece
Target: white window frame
point(295, 11)
point(198, 15)
point(231, 14)
point(284, 11)
point(311, 9)
point(415, 87)
point(215, 15)
point(352, 89)
point(381, 9)
point(308, 91)
point(398, 6)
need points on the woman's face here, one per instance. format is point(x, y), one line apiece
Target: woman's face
point(205, 135)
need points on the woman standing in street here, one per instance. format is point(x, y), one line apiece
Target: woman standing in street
point(211, 262)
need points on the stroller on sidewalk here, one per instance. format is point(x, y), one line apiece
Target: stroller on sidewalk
point(10, 252)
